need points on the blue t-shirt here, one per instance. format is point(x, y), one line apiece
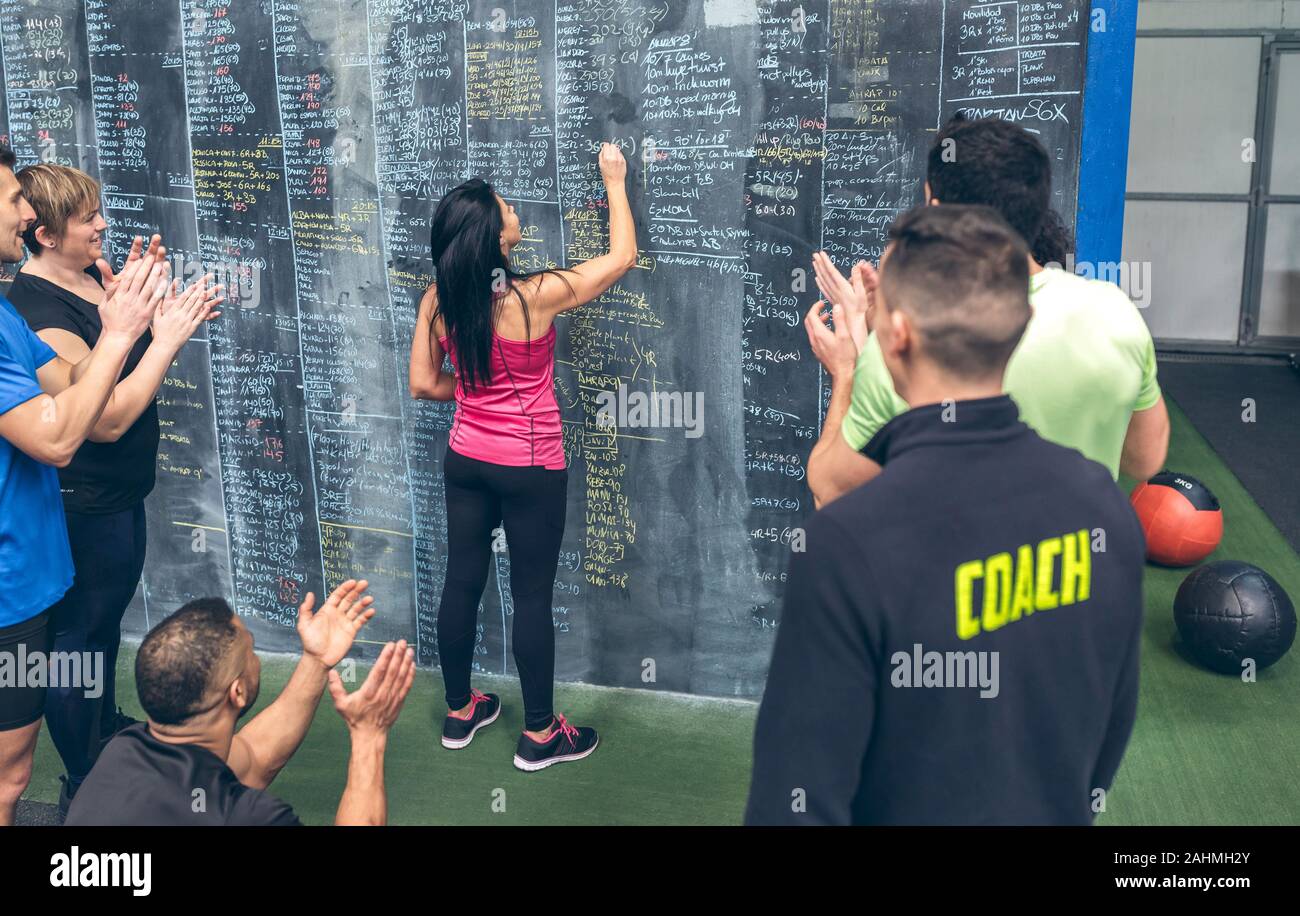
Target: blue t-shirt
point(35, 560)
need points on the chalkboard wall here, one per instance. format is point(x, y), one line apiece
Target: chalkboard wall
point(299, 148)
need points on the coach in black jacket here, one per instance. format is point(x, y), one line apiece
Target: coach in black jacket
point(960, 638)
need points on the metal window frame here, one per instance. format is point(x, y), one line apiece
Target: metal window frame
point(1273, 43)
point(1256, 242)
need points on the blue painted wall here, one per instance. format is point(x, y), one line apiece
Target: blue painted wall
point(1107, 101)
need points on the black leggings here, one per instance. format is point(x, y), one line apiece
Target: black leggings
point(108, 555)
point(530, 503)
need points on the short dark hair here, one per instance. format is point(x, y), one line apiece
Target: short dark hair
point(7, 157)
point(995, 163)
point(179, 657)
point(962, 274)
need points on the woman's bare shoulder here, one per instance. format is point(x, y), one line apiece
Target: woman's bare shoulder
point(545, 292)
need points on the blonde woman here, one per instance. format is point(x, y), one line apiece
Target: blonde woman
point(59, 291)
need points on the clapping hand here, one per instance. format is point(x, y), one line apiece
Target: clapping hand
point(834, 349)
point(857, 295)
point(111, 280)
point(375, 706)
point(133, 296)
point(327, 635)
point(180, 313)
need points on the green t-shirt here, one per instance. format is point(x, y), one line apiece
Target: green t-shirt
point(1085, 364)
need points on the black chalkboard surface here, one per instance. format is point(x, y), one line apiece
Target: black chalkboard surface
point(299, 149)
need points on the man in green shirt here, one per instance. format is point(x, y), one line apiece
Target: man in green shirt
point(1083, 376)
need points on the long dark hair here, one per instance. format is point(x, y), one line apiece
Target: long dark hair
point(473, 276)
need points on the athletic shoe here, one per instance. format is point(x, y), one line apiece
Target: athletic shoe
point(115, 723)
point(65, 797)
point(458, 733)
point(566, 743)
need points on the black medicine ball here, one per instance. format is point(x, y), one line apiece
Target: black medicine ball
point(1230, 611)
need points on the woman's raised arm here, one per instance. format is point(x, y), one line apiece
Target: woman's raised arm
point(589, 279)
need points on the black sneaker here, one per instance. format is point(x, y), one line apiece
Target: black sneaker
point(458, 733)
point(65, 797)
point(114, 724)
point(565, 743)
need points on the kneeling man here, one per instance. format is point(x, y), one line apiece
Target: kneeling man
point(197, 674)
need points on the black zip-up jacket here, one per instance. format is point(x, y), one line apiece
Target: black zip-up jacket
point(960, 638)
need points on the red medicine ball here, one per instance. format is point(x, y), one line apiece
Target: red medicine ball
point(1180, 517)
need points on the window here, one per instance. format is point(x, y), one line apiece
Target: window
point(1213, 194)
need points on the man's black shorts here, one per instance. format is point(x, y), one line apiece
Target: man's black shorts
point(20, 704)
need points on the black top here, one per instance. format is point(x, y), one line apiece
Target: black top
point(139, 781)
point(890, 613)
point(103, 477)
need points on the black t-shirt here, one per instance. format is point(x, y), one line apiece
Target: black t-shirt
point(139, 781)
point(961, 636)
point(103, 477)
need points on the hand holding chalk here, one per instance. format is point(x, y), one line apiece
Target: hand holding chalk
point(613, 166)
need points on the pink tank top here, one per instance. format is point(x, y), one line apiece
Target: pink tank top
point(515, 420)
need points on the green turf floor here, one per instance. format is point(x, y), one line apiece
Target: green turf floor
point(1207, 749)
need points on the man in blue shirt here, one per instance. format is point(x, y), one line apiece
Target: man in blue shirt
point(47, 408)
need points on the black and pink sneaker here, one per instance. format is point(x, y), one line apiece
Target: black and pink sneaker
point(458, 732)
point(565, 743)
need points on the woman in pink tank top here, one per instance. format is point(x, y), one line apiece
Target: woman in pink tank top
point(505, 466)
